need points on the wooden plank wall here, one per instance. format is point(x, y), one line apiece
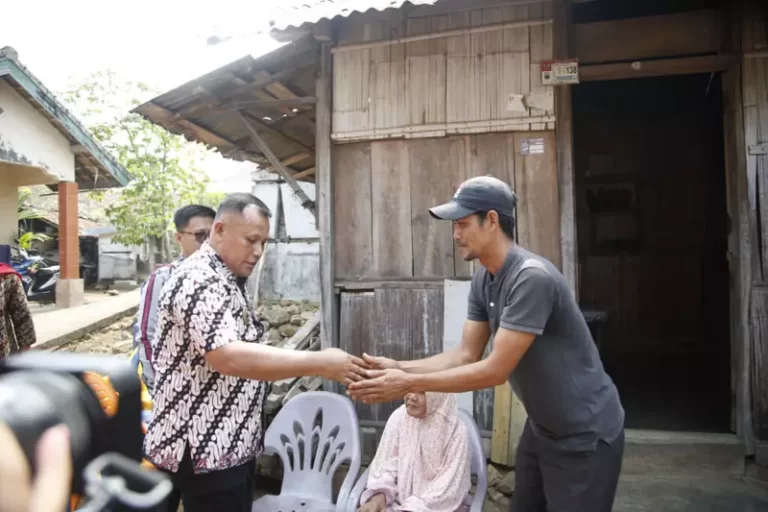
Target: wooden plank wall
point(755, 99)
point(383, 190)
point(383, 230)
point(401, 323)
point(458, 84)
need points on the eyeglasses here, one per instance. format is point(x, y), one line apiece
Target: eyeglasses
point(200, 236)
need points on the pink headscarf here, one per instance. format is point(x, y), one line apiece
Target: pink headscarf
point(423, 465)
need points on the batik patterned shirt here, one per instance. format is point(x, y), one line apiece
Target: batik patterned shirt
point(17, 331)
point(219, 418)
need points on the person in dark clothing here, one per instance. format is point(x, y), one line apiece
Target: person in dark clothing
point(570, 453)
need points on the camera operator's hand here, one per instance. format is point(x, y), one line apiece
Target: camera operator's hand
point(49, 492)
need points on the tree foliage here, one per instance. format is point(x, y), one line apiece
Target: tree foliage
point(162, 165)
point(25, 212)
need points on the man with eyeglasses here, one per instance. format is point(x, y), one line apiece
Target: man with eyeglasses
point(193, 224)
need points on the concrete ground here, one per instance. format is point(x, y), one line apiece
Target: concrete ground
point(688, 472)
point(689, 493)
point(89, 297)
point(55, 327)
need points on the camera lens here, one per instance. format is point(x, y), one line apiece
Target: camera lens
point(31, 403)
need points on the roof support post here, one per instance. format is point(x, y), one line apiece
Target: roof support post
point(329, 300)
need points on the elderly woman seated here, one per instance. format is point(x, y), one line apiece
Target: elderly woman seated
point(423, 461)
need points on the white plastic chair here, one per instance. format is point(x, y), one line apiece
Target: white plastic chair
point(314, 433)
point(479, 468)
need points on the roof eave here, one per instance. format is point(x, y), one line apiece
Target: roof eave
point(48, 102)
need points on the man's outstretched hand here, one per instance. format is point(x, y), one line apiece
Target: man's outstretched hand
point(381, 386)
point(380, 363)
point(342, 367)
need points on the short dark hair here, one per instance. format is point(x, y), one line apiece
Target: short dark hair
point(506, 222)
point(239, 201)
point(186, 213)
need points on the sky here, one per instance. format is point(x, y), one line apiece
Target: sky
point(160, 42)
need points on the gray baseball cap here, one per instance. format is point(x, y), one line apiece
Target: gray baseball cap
point(481, 194)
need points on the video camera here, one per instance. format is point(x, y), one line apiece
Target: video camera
point(99, 399)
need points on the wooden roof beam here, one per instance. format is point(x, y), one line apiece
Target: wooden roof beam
point(260, 125)
point(264, 80)
point(294, 159)
point(258, 122)
point(305, 173)
point(650, 68)
point(288, 102)
point(306, 202)
point(167, 118)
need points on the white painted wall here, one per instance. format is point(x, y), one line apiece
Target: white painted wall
point(34, 140)
point(455, 303)
point(292, 267)
point(9, 201)
point(291, 271)
point(299, 222)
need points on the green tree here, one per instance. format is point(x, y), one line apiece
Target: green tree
point(211, 199)
point(162, 165)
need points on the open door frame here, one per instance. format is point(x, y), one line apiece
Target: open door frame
point(739, 242)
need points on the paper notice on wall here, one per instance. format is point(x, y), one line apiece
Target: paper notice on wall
point(532, 147)
point(515, 103)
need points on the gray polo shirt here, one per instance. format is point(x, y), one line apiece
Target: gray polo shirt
point(560, 380)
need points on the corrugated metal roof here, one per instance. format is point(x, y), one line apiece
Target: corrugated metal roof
point(311, 12)
point(95, 167)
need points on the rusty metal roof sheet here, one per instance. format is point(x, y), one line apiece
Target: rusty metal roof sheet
point(312, 11)
point(194, 109)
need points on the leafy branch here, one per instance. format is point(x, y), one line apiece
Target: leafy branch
point(163, 166)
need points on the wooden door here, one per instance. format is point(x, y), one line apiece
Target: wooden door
point(538, 230)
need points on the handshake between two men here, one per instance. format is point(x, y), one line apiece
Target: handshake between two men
point(369, 379)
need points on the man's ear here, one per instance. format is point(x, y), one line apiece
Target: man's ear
point(493, 217)
point(177, 237)
point(217, 228)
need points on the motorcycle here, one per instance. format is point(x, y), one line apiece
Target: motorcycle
point(26, 264)
point(39, 276)
point(42, 285)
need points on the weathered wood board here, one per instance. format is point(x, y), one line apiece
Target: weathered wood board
point(401, 323)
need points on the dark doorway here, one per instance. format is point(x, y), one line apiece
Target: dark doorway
point(652, 235)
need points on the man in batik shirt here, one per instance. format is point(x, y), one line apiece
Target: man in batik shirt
point(211, 363)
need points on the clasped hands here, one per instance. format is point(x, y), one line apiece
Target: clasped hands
point(368, 379)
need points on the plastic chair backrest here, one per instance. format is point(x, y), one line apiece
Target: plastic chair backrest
point(314, 433)
point(479, 466)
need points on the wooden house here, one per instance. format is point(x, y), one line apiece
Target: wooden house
point(639, 157)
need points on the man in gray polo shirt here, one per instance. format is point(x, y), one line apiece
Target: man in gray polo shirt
point(570, 453)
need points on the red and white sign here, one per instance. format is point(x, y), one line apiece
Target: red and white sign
point(560, 72)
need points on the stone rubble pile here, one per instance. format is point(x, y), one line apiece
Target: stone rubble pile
point(501, 485)
point(294, 326)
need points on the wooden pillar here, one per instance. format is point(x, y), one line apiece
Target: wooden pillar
point(564, 135)
point(324, 180)
point(69, 288)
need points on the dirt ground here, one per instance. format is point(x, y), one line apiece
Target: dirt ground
point(114, 339)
